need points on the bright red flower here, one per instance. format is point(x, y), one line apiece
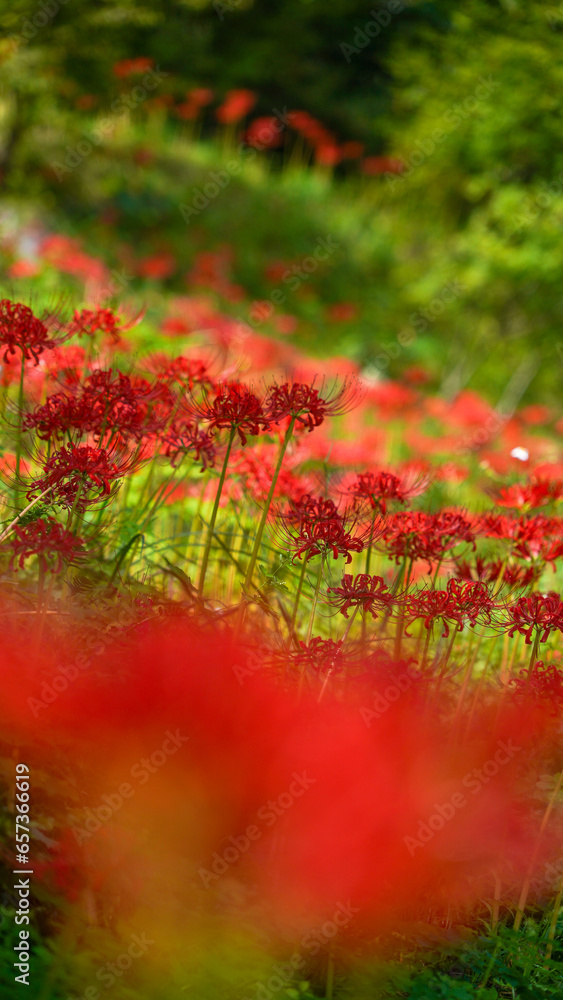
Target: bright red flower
point(236, 105)
point(91, 321)
point(528, 496)
point(538, 614)
point(45, 538)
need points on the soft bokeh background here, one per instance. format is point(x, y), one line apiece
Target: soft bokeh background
point(430, 155)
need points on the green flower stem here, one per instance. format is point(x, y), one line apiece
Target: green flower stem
point(298, 595)
point(267, 505)
point(19, 433)
point(13, 523)
point(531, 867)
point(315, 601)
point(207, 549)
point(553, 921)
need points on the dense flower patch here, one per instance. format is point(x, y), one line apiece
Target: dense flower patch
point(296, 577)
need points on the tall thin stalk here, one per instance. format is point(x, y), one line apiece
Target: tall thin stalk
point(214, 512)
point(267, 505)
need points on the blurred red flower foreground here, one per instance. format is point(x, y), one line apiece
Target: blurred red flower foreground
point(373, 801)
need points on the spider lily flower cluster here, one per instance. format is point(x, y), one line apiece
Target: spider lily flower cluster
point(174, 486)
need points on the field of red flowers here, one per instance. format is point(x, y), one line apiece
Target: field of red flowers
point(281, 667)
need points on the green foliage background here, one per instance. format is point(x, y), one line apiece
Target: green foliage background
point(480, 207)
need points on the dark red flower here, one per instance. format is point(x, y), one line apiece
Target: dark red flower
point(321, 655)
point(264, 133)
point(46, 539)
point(59, 414)
point(235, 408)
point(307, 405)
point(79, 476)
point(459, 605)
point(185, 437)
point(379, 487)
point(368, 592)
point(544, 681)
point(418, 535)
point(489, 572)
point(19, 328)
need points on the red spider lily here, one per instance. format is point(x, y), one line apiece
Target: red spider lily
point(532, 538)
point(264, 133)
point(132, 67)
point(19, 328)
point(381, 165)
point(364, 591)
point(236, 105)
point(308, 509)
point(187, 372)
point(255, 471)
point(309, 406)
point(320, 655)
point(489, 572)
point(323, 537)
point(108, 403)
point(379, 487)
point(79, 476)
point(544, 681)
point(92, 321)
point(418, 535)
point(58, 415)
point(537, 614)
point(46, 539)
point(185, 437)
point(459, 604)
point(528, 496)
point(234, 407)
